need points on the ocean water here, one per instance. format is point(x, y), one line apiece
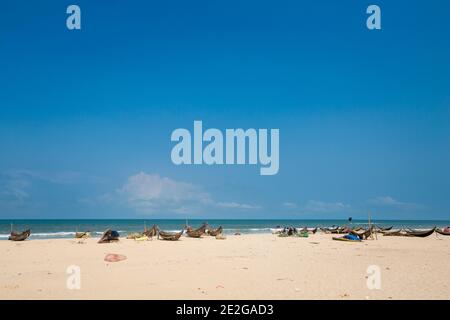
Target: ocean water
point(48, 229)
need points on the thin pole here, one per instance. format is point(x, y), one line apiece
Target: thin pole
point(370, 224)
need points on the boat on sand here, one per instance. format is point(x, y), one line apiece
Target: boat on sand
point(19, 236)
point(169, 236)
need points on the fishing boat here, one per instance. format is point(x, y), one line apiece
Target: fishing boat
point(142, 238)
point(444, 232)
point(135, 235)
point(308, 230)
point(215, 232)
point(363, 235)
point(335, 230)
point(288, 231)
point(395, 233)
point(82, 235)
point(410, 233)
point(420, 233)
point(169, 236)
point(276, 230)
point(153, 231)
point(197, 233)
point(19, 236)
point(194, 234)
point(109, 236)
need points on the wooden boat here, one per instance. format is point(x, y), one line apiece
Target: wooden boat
point(169, 236)
point(409, 233)
point(288, 231)
point(143, 238)
point(421, 234)
point(15, 236)
point(309, 230)
point(443, 232)
point(194, 233)
point(362, 235)
point(82, 235)
point(135, 235)
point(385, 229)
point(215, 232)
point(203, 228)
point(336, 230)
point(109, 236)
point(276, 230)
point(197, 233)
point(395, 233)
point(153, 231)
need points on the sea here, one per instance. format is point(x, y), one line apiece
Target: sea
point(50, 229)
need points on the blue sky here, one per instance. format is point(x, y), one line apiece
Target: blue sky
point(86, 115)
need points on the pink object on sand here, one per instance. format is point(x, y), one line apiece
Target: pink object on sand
point(112, 257)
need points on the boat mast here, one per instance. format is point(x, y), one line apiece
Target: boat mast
point(370, 225)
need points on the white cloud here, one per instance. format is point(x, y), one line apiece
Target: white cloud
point(290, 205)
point(324, 207)
point(236, 205)
point(151, 193)
point(314, 206)
point(387, 201)
point(15, 185)
point(13, 188)
point(63, 177)
point(150, 187)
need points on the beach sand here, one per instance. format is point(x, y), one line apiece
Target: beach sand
point(240, 267)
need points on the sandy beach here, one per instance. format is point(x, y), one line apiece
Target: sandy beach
point(240, 267)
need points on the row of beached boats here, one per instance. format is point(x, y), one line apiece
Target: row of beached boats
point(358, 232)
point(112, 235)
point(205, 229)
point(361, 233)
